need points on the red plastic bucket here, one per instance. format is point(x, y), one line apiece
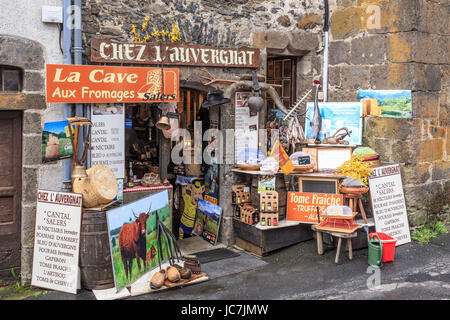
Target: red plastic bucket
point(388, 245)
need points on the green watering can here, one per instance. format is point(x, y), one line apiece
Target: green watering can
point(375, 251)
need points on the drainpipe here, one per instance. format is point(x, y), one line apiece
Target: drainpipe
point(67, 59)
point(78, 59)
point(326, 27)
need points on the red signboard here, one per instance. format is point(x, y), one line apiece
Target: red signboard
point(100, 84)
point(302, 206)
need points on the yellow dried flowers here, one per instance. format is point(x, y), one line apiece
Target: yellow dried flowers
point(143, 36)
point(355, 168)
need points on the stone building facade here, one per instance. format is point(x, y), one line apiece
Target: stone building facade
point(29, 44)
point(408, 49)
point(374, 44)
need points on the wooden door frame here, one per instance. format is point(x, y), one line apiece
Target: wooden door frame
point(10, 232)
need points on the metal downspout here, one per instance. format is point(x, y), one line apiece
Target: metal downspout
point(326, 27)
point(67, 59)
point(78, 60)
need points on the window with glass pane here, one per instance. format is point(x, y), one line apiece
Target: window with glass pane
point(10, 79)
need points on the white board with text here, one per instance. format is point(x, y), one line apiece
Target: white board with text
point(388, 203)
point(57, 241)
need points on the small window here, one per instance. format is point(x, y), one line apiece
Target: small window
point(281, 71)
point(10, 79)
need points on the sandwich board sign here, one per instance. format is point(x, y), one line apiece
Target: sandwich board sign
point(57, 241)
point(388, 203)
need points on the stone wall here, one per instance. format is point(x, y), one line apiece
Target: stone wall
point(207, 22)
point(29, 44)
point(408, 49)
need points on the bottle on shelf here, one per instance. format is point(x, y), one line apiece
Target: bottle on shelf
point(130, 176)
point(255, 217)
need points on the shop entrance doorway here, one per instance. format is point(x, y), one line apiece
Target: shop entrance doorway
point(10, 191)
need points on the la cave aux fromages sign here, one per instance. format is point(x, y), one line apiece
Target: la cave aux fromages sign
point(101, 84)
point(173, 54)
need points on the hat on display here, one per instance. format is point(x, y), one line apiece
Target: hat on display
point(215, 97)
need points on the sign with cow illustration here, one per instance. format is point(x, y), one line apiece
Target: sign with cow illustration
point(132, 234)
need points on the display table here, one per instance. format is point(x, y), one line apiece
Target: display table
point(256, 172)
point(138, 192)
point(260, 240)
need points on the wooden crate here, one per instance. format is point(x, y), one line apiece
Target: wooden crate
point(261, 241)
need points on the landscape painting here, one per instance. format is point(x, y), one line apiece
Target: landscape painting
point(387, 103)
point(207, 221)
point(132, 234)
point(337, 115)
point(56, 143)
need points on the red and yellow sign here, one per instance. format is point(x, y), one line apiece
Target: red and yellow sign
point(283, 158)
point(302, 206)
point(99, 84)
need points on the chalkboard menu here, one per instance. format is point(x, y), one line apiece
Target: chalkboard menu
point(304, 160)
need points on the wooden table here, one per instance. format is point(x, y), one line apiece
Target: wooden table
point(340, 236)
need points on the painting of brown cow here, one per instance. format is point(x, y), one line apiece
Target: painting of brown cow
point(132, 242)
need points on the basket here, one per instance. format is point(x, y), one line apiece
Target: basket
point(373, 163)
point(388, 245)
point(100, 187)
point(249, 167)
point(305, 168)
point(354, 191)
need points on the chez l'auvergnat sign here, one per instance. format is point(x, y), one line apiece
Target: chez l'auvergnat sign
point(158, 53)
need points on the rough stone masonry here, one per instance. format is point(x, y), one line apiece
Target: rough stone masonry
point(374, 44)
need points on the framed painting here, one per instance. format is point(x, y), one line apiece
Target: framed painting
point(337, 115)
point(133, 237)
point(386, 103)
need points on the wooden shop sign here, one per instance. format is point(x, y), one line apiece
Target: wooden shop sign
point(302, 206)
point(57, 241)
point(173, 54)
point(102, 84)
point(388, 203)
